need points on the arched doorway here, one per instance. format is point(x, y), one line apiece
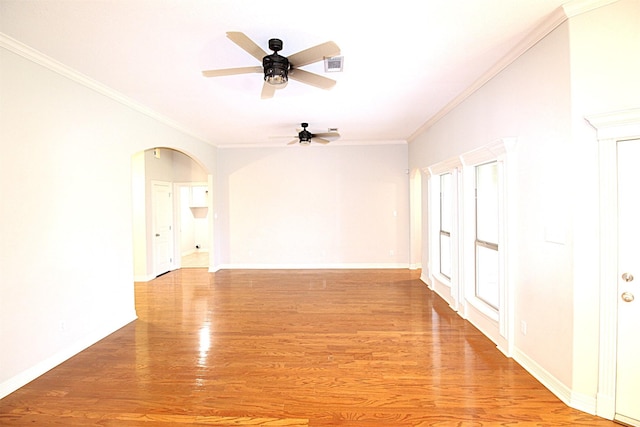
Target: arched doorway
point(183, 223)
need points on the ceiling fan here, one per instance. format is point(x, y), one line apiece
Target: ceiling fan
point(278, 69)
point(305, 137)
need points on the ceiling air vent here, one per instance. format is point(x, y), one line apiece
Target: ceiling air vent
point(333, 64)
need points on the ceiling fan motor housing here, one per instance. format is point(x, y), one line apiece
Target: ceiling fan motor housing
point(276, 67)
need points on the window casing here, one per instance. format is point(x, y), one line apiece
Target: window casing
point(479, 282)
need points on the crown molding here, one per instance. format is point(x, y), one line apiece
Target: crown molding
point(578, 7)
point(39, 58)
point(543, 29)
point(337, 143)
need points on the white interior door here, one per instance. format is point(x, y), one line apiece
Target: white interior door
point(628, 344)
point(163, 238)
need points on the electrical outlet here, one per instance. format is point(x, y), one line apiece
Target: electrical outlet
point(63, 325)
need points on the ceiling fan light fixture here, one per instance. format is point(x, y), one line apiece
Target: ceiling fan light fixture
point(276, 77)
point(305, 136)
point(276, 67)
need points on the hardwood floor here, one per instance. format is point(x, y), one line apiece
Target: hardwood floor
point(198, 259)
point(290, 348)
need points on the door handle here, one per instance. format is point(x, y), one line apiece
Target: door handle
point(627, 277)
point(627, 297)
point(157, 235)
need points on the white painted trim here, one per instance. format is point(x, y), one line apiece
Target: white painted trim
point(451, 166)
point(460, 296)
point(489, 152)
point(616, 125)
point(426, 280)
point(342, 142)
point(501, 150)
point(626, 420)
point(578, 401)
point(14, 383)
point(577, 7)
point(339, 266)
point(611, 127)
point(550, 23)
point(144, 278)
point(444, 166)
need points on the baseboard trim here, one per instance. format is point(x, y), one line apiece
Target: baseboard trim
point(579, 401)
point(14, 383)
point(606, 406)
point(144, 278)
point(345, 266)
point(426, 280)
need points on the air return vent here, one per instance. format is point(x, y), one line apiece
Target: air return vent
point(333, 64)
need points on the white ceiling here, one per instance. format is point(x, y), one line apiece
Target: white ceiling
point(404, 60)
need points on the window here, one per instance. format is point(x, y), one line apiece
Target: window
point(446, 213)
point(469, 214)
point(487, 263)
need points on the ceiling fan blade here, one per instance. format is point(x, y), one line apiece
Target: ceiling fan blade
point(295, 141)
point(331, 136)
point(247, 44)
point(314, 54)
point(311, 79)
point(232, 71)
point(267, 91)
point(320, 140)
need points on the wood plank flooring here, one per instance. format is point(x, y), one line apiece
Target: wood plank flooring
point(290, 348)
point(197, 259)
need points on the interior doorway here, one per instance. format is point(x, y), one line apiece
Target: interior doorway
point(175, 169)
point(619, 201)
point(192, 224)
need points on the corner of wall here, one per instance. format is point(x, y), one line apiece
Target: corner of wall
point(581, 402)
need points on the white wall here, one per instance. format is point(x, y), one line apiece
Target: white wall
point(314, 206)
point(530, 101)
point(588, 65)
point(66, 252)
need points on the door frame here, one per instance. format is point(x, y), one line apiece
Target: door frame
point(178, 216)
point(611, 128)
